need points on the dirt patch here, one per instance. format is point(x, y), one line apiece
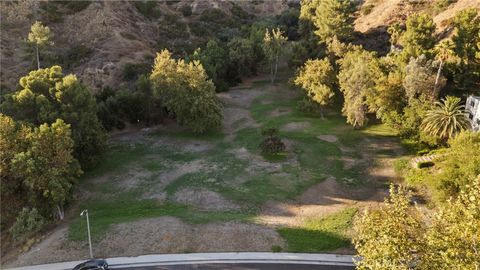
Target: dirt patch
point(157, 235)
point(322, 199)
point(157, 191)
point(132, 179)
point(295, 126)
point(235, 119)
point(204, 199)
point(54, 248)
point(171, 235)
point(328, 138)
point(279, 112)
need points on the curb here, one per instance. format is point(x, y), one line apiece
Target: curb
point(203, 258)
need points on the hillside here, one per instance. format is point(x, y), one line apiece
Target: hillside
point(95, 40)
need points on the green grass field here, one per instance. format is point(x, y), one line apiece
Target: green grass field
point(309, 162)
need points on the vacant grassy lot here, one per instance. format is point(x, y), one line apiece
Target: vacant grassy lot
point(219, 186)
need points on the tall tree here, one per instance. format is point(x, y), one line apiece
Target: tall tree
point(467, 35)
point(331, 18)
point(390, 237)
point(48, 166)
point(419, 36)
point(215, 60)
point(273, 46)
point(467, 26)
point(454, 236)
point(47, 94)
point(444, 52)
point(241, 52)
point(40, 36)
point(420, 80)
point(317, 78)
point(186, 92)
point(359, 70)
point(396, 236)
point(446, 119)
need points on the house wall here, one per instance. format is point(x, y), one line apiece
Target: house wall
point(473, 109)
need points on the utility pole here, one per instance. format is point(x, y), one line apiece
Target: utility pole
point(88, 230)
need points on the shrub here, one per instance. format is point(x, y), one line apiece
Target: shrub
point(28, 222)
point(76, 54)
point(186, 10)
point(276, 248)
point(148, 9)
point(367, 9)
point(75, 6)
point(425, 164)
point(131, 71)
point(271, 143)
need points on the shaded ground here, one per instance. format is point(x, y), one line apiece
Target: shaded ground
point(165, 190)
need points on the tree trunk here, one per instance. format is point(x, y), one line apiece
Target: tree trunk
point(276, 68)
point(60, 212)
point(38, 59)
point(435, 87)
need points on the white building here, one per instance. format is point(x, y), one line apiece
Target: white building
point(473, 110)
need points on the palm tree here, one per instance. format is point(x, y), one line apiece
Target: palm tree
point(444, 52)
point(446, 119)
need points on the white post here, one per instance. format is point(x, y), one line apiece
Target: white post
point(88, 230)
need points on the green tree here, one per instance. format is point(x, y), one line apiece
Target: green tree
point(419, 36)
point(241, 52)
point(359, 70)
point(273, 47)
point(46, 95)
point(454, 236)
point(215, 61)
point(467, 35)
point(420, 78)
point(40, 36)
point(13, 139)
point(317, 78)
point(48, 166)
point(467, 26)
point(389, 237)
point(388, 97)
point(396, 236)
point(330, 18)
point(446, 119)
point(395, 31)
point(186, 92)
point(444, 52)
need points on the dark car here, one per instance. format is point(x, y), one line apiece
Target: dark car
point(92, 265)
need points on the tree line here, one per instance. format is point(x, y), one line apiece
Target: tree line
point(417, 89)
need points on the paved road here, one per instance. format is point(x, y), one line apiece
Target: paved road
point(243, 266)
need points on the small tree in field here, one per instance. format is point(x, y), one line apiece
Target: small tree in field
point(186, 92)
point(40, 36)
point(273, 47)
point(316, 78)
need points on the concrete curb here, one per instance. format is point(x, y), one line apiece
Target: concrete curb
point(202, 258)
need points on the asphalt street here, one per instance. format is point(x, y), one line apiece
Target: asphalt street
point(244, 266)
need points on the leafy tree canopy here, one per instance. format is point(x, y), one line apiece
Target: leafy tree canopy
point(359, 70)
point(46, 95)
point(186, 91)
point(419, 36)
point(316, 78)
point(330, 17)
